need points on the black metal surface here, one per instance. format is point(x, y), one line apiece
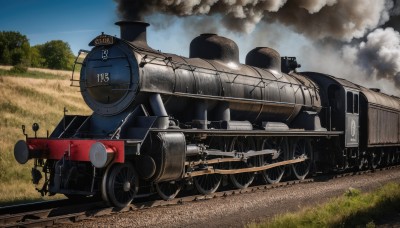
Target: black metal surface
point(293, 132)
point(213, 47)
point(289, 64)
point(264, 57)
point(250, 94)
point(134, 31)
point(168, 151)
point(109, 79)
point(333, 95)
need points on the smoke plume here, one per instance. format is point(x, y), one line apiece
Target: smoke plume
point(379, 54)
point(341, 19)
point(358, 32)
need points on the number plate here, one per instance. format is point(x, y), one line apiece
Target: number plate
point(103, 40)
point(103, 78)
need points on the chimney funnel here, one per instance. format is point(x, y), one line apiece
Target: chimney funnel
point(134, 32)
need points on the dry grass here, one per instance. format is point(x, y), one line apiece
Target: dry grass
point(21, 192)
point(5, 67)
point(26, 101)
point(65, 73)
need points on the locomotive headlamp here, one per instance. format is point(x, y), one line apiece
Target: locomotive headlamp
point(100, 156)
point(35, 127)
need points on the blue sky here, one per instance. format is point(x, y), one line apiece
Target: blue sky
point(75, 22)
point(72, 21)
point(78, 22)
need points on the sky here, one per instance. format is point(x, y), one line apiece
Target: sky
point(72, 21)
point(78, 22)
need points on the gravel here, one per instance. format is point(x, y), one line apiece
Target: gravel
point(239, 210)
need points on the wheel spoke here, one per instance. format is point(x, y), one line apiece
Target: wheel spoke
point(121, 185)
point(274, 175)
point(209, 183)
point(242, 180)
point(302, 148)
point(168, 190)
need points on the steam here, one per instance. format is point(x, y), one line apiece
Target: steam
point(247, 12)
point(340, 19)
point(379, 54)
point(355, 36)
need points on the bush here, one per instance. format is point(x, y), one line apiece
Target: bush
point(14, 48)
point(19, 69)
point(56, 54)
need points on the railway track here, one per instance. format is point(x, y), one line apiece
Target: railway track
point(66, 212)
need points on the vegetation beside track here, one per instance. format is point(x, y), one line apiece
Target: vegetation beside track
point(353, 209)
point(34, 73)
point(25, 98)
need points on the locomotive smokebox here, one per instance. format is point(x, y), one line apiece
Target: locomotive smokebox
point(134, 32)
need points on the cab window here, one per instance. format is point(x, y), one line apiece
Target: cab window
point(352, 102)
point(355, 103)
point(349, 102)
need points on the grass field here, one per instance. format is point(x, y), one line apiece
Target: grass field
point(353, 209)
point(36, 96)
point(41, 71)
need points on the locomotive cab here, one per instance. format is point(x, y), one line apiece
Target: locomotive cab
point(340, 99)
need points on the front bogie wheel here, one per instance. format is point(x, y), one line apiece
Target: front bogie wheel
point(120, 184)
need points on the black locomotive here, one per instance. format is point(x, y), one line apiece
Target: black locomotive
point(162, 122)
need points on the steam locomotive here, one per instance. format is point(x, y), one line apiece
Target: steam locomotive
point(163, 122)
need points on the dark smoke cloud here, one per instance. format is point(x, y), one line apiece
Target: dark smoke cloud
point(394, 12)
point(247, 13)
point(360, 35)
point(340, 19)
point(379, 55)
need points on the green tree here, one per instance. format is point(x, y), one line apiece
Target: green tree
point(14, 48)
point(36, 59)
point(57, 54)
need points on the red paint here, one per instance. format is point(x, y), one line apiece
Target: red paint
point(56, 148)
